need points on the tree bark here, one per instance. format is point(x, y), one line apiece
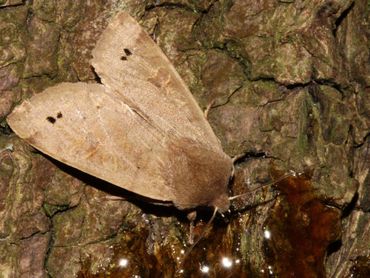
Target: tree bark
point(290, 81)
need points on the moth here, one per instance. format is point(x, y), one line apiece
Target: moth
point(140, 128)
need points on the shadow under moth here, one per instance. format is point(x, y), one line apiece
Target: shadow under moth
point(140, 129)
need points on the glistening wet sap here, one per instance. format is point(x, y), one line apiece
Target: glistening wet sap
point(302, 227)
point(295, 238)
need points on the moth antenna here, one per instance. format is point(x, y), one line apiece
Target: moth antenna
point(202, 234)
point(261, 186)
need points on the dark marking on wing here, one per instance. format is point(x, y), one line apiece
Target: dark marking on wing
point(127, 51)
point(51, 119)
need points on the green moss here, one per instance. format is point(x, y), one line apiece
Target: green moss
point(45, 9)
point(302, 140)
point(51, 210)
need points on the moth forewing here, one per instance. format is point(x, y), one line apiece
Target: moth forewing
point(95, 135)
point(147, 78)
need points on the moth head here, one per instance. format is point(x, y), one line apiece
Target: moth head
point(222, 203)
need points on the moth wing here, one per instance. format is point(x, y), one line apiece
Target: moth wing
point(131, 63)
point(88, 128)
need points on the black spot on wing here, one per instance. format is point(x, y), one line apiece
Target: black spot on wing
point(51, 119)
point(127, 51)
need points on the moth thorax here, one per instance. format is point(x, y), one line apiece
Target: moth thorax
point(198, 175)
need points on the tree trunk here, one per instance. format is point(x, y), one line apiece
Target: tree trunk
point(290, 85)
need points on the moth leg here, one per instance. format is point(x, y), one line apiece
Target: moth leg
point(191, 217)
point(208, 108)
point(115, 198)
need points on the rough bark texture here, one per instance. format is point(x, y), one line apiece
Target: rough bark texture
point(291, 84)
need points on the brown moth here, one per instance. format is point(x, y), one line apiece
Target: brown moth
point(141, 129)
